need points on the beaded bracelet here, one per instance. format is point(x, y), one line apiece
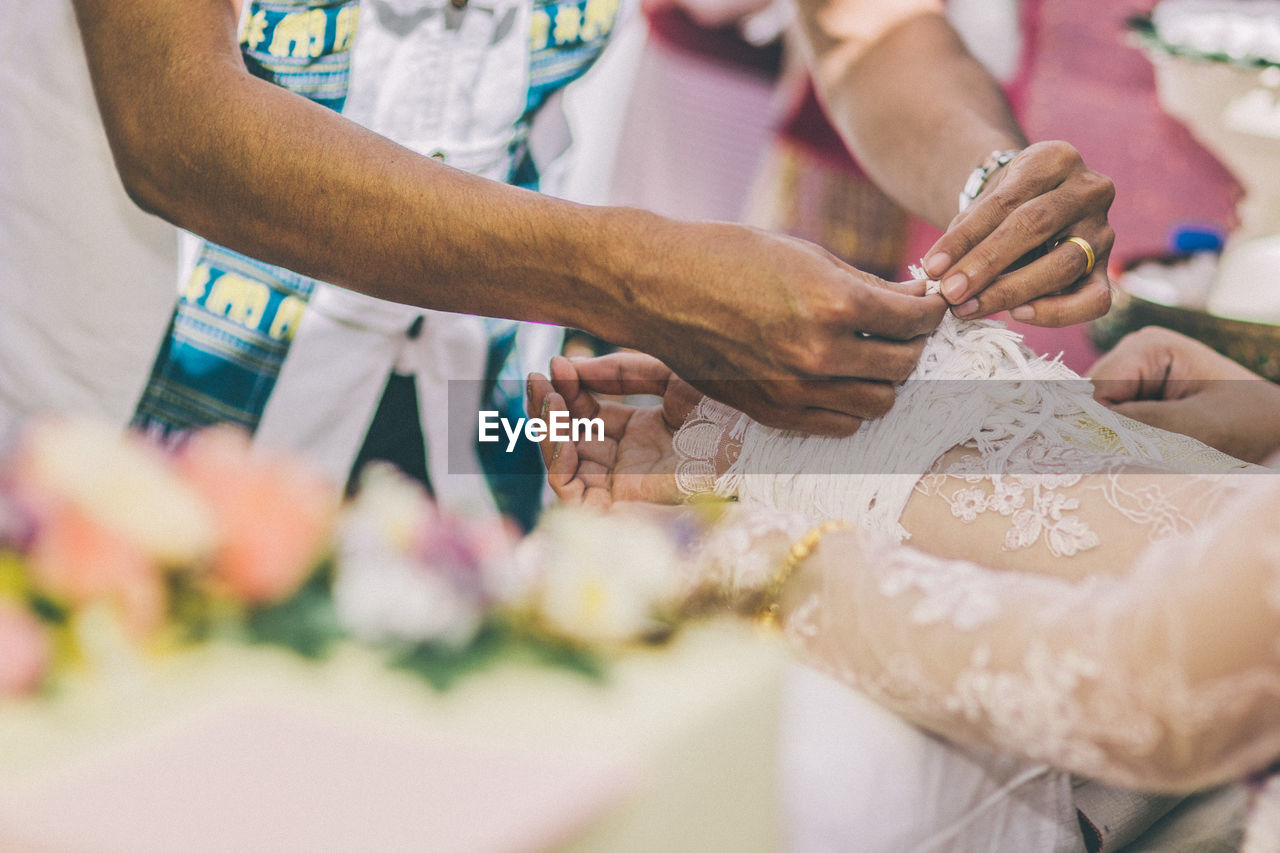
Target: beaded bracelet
point(799, 552)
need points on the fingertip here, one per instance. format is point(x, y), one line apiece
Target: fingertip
point(536, 388)
point(564, 376)
point(955, 287)
point(937, 262)
point(561, 367)
point(831, 423)
point(935, 309)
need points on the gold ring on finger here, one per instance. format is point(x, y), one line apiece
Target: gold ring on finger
point(1088, 251)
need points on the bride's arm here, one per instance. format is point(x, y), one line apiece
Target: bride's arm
point(1144, 663)
point(1067, 512)
point(1167, 678)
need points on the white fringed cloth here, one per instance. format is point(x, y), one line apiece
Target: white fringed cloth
point(976, 384)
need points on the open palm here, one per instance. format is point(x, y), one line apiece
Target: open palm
point(636, 460)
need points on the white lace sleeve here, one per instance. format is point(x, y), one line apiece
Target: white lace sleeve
point(707, 444)
point(1166, 677)
point(743, 552)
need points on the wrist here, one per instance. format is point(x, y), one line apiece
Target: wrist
point(622, 288)
point(983, 175)
point(775, 594)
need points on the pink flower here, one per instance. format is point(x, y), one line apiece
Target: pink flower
point(111, 515)
point(272, 514)
point(118, 481)
point(80, 561)
point(26, 651)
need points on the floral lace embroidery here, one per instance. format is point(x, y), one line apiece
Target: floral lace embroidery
point(1038, 510)
point(1032, 503)
point(958, 595)
point(1149, 505)
point(1104, 677)
point(704, 444)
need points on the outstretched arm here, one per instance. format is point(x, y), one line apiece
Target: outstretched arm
point(1108, 617)
point(749, 317)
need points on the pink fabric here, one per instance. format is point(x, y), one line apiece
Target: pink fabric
point(1083, 82)
point(1088, 85)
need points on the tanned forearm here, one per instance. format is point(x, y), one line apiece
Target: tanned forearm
point(748, 317)
point(915, 107)
point(212, 149)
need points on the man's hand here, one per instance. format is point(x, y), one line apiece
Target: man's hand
point(1045, 195)
point(1175, 383)
point(777, 327)
point(636, 460)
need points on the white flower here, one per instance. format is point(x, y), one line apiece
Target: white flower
point(1069, 536)
point(604, 577)
point(383, 596)
point(389, 507)
point(1024, 532)
point(1009, 497)
point(967, 504)
point(384, 590)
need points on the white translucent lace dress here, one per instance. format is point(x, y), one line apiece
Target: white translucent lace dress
point(1051, 580)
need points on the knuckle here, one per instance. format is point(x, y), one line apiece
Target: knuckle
point(984, 261)
point(1004, 204)
point(843, 305)
point(1101, 188)
point(793, 353)
point(1102, 303)
point(831, 305)
point(1032, 222)
point(816, 357)
point(1074, 262)
point(1148, 336)
point(904, 361)
point(879, 400)
point(1106, 240)
point(993, 300)
point(1064, 153)
point(901, 369)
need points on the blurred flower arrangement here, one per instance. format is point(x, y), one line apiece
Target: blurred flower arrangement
point(108, 543)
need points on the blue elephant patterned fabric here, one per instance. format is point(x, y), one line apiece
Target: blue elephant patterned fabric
point(231, 329)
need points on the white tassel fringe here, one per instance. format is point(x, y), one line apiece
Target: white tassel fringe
point(868, 477)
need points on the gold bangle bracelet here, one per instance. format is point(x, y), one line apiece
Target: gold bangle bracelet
point(799, 552)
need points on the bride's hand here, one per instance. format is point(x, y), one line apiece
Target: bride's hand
point(635, 461)
point(1173, 382)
